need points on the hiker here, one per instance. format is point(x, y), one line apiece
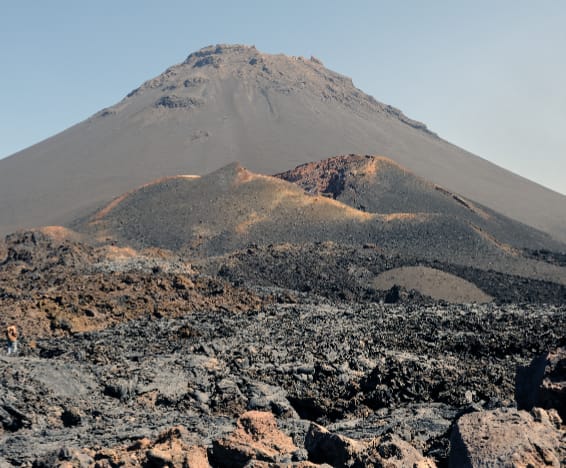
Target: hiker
point(12, 337)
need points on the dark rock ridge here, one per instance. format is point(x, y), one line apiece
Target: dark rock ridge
point(347, 273)
point(176, 102)
point(271, 112)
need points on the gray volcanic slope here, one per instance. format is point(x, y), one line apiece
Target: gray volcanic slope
point(232, 208)
point(378, 185)
point(270, 112)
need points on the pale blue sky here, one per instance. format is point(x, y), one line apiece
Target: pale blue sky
point(489, 76)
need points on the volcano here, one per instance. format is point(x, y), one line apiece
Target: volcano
point(232, 103)
point(232, 208)
point(381, 307)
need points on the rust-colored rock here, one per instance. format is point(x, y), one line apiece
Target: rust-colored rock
point(256, 437)
point(339, 451)
point(98, 287)
point(506, 437)
point(196, 457)
point(174, 448)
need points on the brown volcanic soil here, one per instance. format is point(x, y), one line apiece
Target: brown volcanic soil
point(270, 112)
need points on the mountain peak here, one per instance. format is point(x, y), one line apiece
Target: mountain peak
point(187, 84)
point(219, 49)
point(199, 58)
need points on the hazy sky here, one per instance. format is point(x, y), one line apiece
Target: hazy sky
point(489, 76)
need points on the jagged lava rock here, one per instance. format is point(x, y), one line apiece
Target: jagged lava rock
point(256, 437)
point(543, 383)
point(506, 437)
point(340, 451)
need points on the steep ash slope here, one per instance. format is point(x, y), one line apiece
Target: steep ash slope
point(270, 112)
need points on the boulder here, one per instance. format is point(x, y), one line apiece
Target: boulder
point(264, 397)
point(393, 295)
point(326, 447)
point(175, 447)
point(506, 437)
point(543, 383)
point(337, 450)
point(256, 437)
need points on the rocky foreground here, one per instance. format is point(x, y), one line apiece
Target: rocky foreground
point(275, 356)
point(298, 384)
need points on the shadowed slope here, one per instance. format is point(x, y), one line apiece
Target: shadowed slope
point(233, 103)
